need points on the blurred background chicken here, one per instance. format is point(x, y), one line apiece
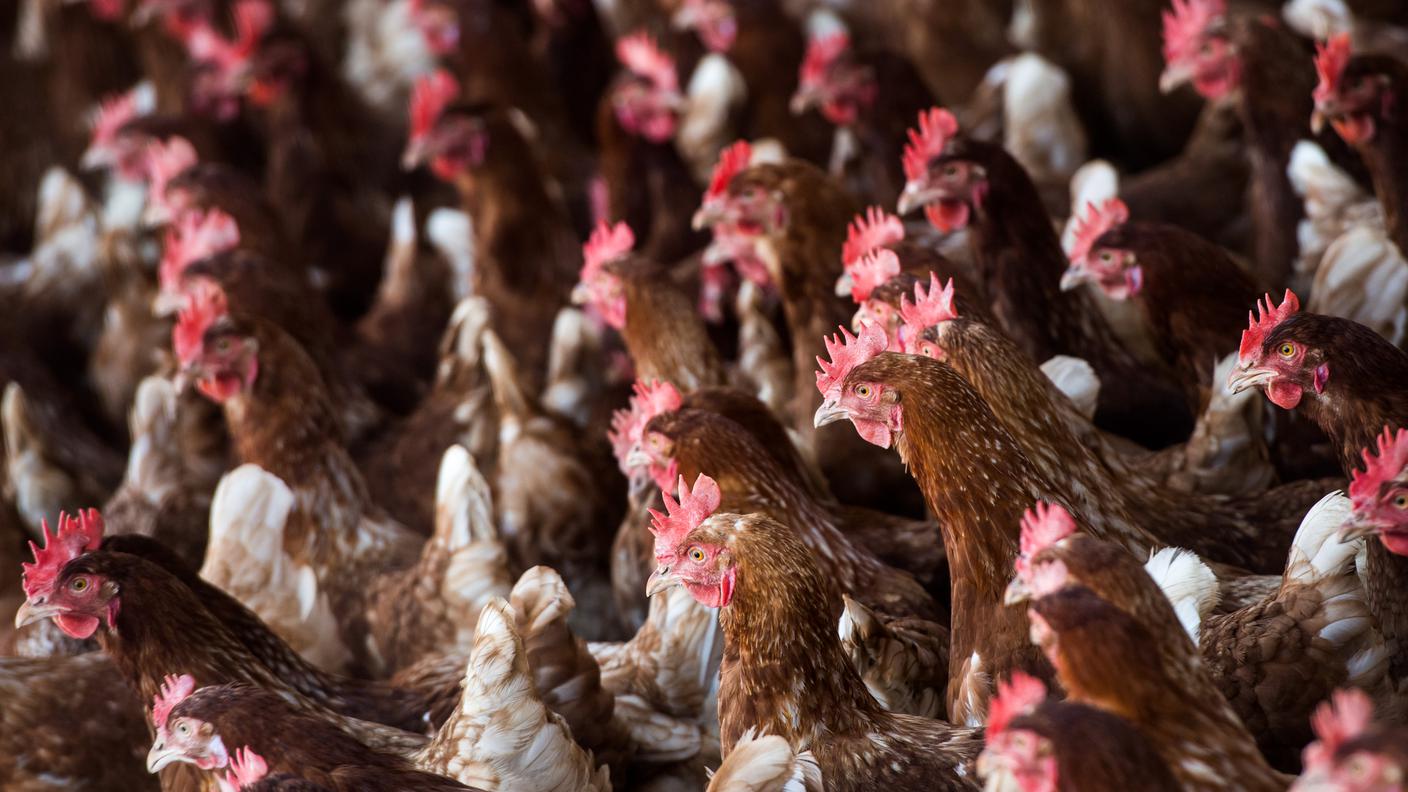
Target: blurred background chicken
point(704, 394)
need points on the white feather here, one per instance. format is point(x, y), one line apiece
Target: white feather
point(1187, 582)
point(1075, 378)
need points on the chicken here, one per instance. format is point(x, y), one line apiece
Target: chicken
point(634, 296)
point(793, 680)
point(1110, 659)
point(1035, 742)
point(637, 124)
point(1272, 660)
point(1190, 292)
point(964, 183)
point(1353, 96)
point(1257, 64)
point(793, 217)
point(213, 729)
point(868, 94)
point(688, 443)
point(526, 257)
point(358, 560)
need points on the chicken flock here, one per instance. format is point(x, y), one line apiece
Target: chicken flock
point(741, 395)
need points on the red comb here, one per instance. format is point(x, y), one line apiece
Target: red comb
point(194, 236)
point(640, 54)
point(1264, 322)
point(1094, 223)
point(876, 228)
point(651, 399)
point(205, 303)
point(733, 160)
point(1018, 696)
point(1393, 455)
point(929, 308)
point(821, 53)
point(252, 19)
point(165, 161)
point(108, 10)
point(1048, 578)
point(1185, 24)
point(873, 269)
point(846, 352)
point(1043, 526)
point(1345, 716)
point(429, 98)
point(936, 127)
point(246, 768)
point(174, 690)
point(607, 243)
point(1330, 60)
point(75, 536)
point(693, 508)
point(112, 114)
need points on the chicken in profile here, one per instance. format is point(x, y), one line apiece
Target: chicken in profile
point(793, 681)
point(214, 729)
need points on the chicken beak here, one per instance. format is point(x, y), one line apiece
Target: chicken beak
point(1357, 528)
point(160, 756)
point(581, 294)
point(802, 101)
point(1317, 121)
point(660, 580)
point(637, 458)
point(414, 154)
point(95, 158)
point(31, 612)
point(1174, 76)
point(1016, 593)
point(829, 412)
point(1242, 379)
point(914, 196)
point(155, 215)
point(1073, 276)
point(707, 215)
point(167, 303)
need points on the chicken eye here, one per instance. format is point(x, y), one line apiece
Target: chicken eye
point(1400, 501)
point(1106, 256)
point(183, 729)
point(696, 555)
point(1288, 350)
point(79, 584)
point(950, 170)
point(223, 344)
point(863, 391)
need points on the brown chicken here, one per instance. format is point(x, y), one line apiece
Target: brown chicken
point(1190, 293)
point(1272, 661)
point(1355, 95)
point(964, 183)
point(800, 687)
point(869, 95)
point(633, 294)
point(1108, 658)
point(1354, 385)
point(1260, 65)
point(526, 257)
point(648, 184)
point(793, 216)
